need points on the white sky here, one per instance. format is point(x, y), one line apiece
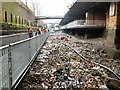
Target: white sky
point(50, 7)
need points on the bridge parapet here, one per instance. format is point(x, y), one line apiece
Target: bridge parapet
point(84, 24)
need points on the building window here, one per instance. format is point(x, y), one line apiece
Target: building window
point(11, 18)
point(5, 16)
point(28, 22)
point(112, 9)
point(19, 20)
point(16, 19)
point(22, 21)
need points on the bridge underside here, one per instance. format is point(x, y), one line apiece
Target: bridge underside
point(86, 33)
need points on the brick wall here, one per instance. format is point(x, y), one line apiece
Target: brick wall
point(112, 22)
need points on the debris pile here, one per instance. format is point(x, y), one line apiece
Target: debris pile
point(96, 53)
point(58, 66)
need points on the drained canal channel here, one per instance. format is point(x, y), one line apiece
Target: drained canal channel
point(64, 62)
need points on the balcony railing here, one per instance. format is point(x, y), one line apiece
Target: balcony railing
point(84, 24)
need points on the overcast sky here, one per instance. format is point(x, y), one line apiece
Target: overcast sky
point(50, 7)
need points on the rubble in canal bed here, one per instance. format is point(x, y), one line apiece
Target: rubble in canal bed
point(57, 67)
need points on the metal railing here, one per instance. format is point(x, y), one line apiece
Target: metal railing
point(16, 57)
point(4, 40)
point(84, 23)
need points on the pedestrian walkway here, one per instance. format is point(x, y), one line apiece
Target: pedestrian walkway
point(58, 66)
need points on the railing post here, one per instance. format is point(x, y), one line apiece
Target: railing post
point(10, 66)
point(36, 43)
point(30, 50)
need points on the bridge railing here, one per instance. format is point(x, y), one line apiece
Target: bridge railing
point(16, 57)
point(84, 23)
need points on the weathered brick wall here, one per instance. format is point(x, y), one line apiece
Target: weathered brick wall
point(112, 22)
